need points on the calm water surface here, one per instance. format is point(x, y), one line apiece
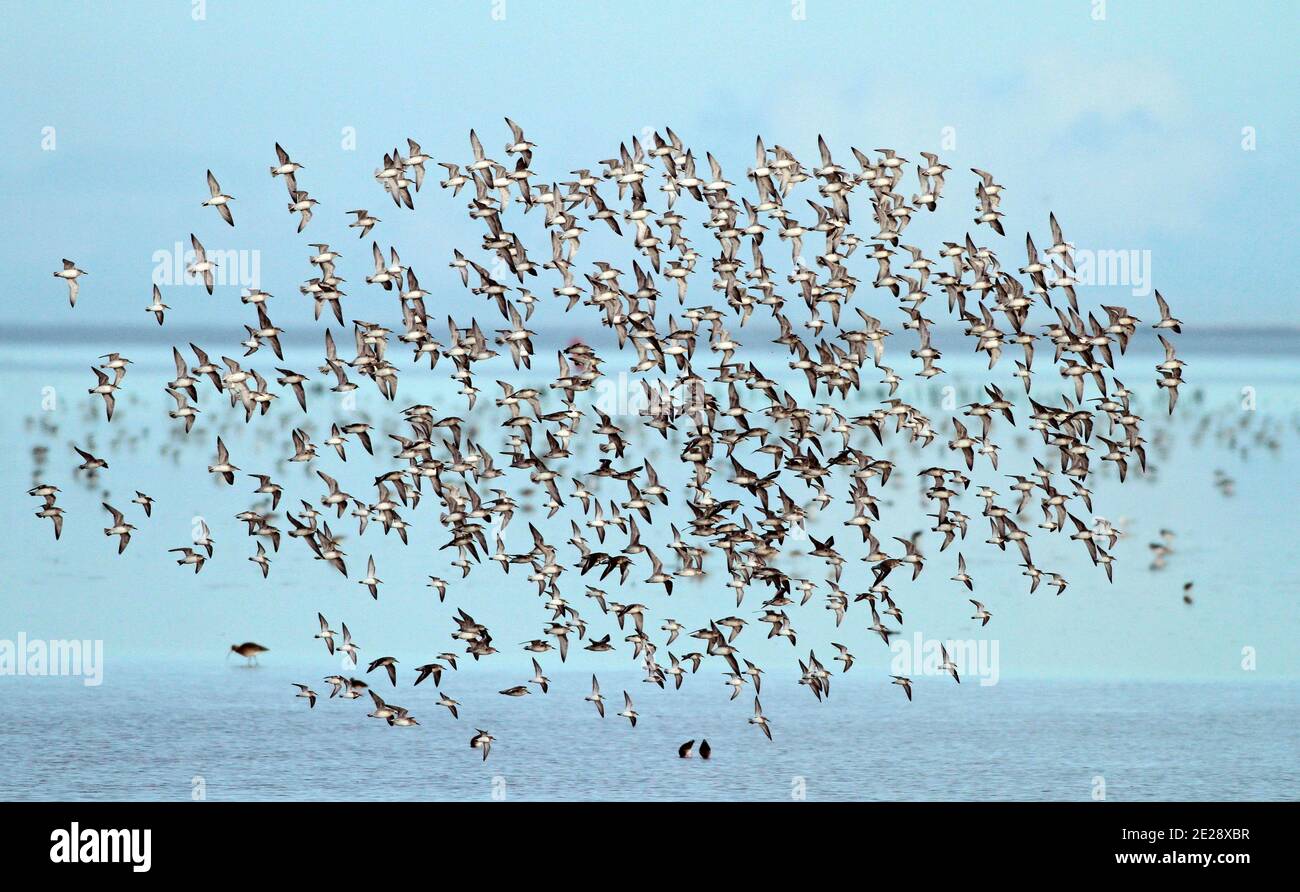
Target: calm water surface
point(150, 730)
point(172, 716)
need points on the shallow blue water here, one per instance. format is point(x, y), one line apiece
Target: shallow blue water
point(154, 731)
point(1169, 701)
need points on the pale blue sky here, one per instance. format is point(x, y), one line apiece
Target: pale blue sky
point(1130, 128)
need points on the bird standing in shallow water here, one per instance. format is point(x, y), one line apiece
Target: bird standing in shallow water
point(249, 651)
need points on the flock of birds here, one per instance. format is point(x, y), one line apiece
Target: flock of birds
point(726, 419)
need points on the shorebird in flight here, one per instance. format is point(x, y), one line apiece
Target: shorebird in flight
point(596, 698)
point(761, 720)
point(628, 712)
point(201, 266)
point(70, 274)
point(219, 199)
point(326, 633)
point(119, 527)
point(156, 306)
point(481, 740)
